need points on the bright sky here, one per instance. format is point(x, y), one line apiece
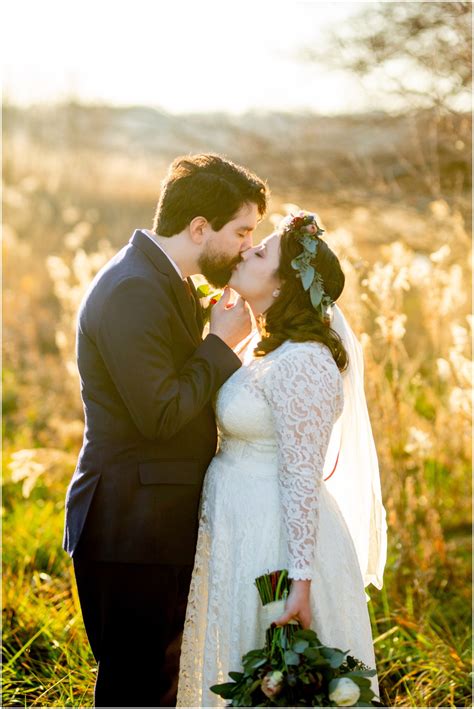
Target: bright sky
point(201, 55)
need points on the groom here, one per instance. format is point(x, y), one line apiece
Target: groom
point(147, 381)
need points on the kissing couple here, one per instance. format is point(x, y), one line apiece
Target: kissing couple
point(209, 461)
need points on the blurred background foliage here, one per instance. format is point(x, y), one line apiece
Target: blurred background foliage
point(393, 190)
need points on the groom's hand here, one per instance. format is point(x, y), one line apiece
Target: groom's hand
point(231, 322)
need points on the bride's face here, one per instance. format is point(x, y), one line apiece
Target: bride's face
point(255, 277)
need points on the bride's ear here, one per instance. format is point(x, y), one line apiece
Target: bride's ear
point(197, 228)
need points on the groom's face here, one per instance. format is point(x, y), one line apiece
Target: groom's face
point(223, 249)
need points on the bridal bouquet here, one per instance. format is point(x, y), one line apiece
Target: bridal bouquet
point(295, 668)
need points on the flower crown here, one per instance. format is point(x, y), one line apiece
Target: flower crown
point(307, 231)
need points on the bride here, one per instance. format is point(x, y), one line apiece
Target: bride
point(295, 482)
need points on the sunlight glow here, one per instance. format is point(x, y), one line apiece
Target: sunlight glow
point(180, 56)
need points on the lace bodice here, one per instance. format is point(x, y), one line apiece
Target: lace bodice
point(283, 407)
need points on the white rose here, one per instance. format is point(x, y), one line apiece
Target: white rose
point(275, 679)
point(344, 692)
point(272, 683)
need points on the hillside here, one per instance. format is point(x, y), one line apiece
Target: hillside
point(423, 155)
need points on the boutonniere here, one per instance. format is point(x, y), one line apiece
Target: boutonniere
point(208, 297)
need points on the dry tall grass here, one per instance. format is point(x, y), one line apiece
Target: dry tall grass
point(407, 285)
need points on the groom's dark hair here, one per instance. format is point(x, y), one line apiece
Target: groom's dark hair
point(205, 185)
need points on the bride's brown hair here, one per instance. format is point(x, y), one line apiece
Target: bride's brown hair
point(292, 316)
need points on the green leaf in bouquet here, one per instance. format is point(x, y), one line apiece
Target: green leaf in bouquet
point(366, 695)
point(357, 679)
point(225, 690)
point(362, 682)
point(253, 665)
point(300, 645)
point(254, 685)
point(336, 657)
point(291, 658)
point(253, 659)
point(360, 673)
point(307, 634)
point(319, 700)
point(251, 654)
point(313, 653)
point(236, 676)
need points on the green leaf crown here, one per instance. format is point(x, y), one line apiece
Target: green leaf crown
point(304, 227)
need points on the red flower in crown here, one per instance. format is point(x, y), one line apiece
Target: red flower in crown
point(292, 223)
point(304, 222)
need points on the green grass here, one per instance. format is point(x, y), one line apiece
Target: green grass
point(421, 635)
point(47, 660)
point(423, 659)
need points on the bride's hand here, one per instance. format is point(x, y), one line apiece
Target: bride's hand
point(297, 605)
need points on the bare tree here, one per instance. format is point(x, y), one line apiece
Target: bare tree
point(421, 52)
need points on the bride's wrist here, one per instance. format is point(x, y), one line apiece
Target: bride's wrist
point(301, 584)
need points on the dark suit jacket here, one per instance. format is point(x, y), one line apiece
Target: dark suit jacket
point(147, 381)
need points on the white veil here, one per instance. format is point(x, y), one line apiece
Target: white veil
point(355, 483)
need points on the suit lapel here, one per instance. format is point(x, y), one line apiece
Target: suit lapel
point(199, 316)
point(164, 265)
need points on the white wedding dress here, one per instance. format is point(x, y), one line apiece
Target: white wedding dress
point(265, 507)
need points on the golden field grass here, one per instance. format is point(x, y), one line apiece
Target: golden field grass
point(407, 295)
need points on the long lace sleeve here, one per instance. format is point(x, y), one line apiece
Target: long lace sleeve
point(304, 389)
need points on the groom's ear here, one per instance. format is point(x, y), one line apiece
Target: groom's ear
point(197, 229)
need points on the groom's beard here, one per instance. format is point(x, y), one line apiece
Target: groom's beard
point(217, 268)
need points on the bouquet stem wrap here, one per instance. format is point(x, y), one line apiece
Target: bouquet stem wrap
point(274, 589)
